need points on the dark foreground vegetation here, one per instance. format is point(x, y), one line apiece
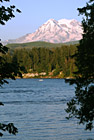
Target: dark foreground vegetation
point(81, 105)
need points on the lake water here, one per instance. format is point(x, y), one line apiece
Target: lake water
point(37, 108)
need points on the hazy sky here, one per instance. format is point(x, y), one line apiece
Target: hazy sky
point(36, 12)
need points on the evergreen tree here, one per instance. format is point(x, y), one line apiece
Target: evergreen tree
point(57, 70)
point(35, 58)
point(82, 105)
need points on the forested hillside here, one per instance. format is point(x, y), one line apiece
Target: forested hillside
point(54, 61)
point(39, 44)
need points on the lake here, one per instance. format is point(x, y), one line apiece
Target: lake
point(37, 108)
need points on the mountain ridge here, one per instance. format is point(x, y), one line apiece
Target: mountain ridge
point(53, 31)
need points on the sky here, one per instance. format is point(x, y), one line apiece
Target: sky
point(37, 12)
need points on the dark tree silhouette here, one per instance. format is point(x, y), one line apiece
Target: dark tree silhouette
point(7, 70)
point(82, 105)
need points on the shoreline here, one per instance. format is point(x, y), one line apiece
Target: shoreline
point(27, 76)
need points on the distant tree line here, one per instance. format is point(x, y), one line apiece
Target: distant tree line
point(44, 59)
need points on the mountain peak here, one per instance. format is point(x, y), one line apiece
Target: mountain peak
point(51, 21)
point(60, 31)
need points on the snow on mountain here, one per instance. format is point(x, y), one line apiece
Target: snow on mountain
point(54, 31)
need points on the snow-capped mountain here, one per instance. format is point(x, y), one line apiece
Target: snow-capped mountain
point(54, 31)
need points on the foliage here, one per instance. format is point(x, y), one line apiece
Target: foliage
point(9, 127)
point(6, 13)
point(82, 105)
point(7, 70)
point(45, 59)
